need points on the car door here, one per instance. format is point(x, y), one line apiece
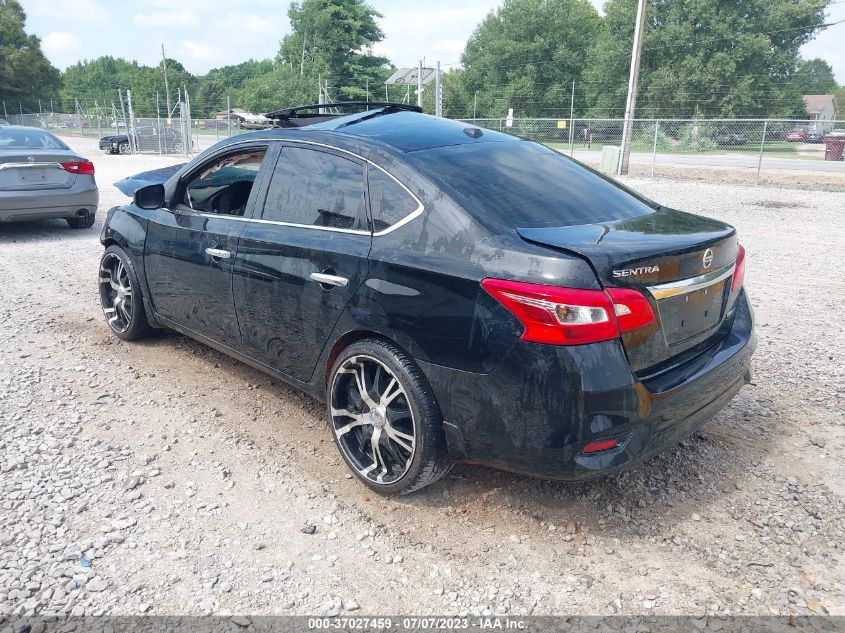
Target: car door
point(299, 264)
point(190, 246)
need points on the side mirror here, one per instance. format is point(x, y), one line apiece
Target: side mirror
point(150, 197)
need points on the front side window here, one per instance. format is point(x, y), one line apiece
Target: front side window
point(389, 201)
point(224, 185)
point(315, 188)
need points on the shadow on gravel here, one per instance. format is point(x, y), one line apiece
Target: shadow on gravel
point(46, 231)
point(708, 469)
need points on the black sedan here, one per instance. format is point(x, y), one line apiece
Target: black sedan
point(147, 139)
point(452, 293)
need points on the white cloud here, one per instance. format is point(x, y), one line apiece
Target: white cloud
point(61, 46)
point(85, 11)
point(200, 52)
point(167, 19)
point(251, 23)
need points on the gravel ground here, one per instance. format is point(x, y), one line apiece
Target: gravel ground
point(164, 478)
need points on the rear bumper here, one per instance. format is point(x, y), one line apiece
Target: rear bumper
point(539, 408)
point(18, 206)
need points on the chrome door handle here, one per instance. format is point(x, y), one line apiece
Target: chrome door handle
point(330, 280)
point(218, 253)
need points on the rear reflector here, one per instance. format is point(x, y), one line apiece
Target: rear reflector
point(570, 316)
point(739, 271)
point(596, 447)
point(79, 167)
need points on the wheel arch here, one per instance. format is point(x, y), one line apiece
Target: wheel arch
point(347, 339)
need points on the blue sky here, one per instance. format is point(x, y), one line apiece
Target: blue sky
point(203, 34)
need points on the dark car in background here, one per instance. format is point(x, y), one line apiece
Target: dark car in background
point(731, 138)
point(452, 293)
point(148, 139)
point(42, 178)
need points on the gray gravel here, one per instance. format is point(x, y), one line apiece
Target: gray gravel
point(162, 477)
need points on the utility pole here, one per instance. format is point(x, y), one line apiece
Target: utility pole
point(420, 85)
point(131, 128)
point(166, 86)
point(572, 123)
point(438, 91)
point(633, 80)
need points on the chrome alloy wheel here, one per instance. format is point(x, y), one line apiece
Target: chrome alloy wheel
point(372, 419)
point(116, 292)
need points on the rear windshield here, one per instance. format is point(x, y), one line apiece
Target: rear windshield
point(22, 138)
point(523, 184)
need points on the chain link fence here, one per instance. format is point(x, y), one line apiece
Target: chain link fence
point(656, 144)
point(732, 143)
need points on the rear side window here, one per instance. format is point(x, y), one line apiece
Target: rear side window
point(389, 201)
point(23, 138)
point(315, 188)
point(521, 184)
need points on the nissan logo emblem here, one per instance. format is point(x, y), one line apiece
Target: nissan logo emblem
point(707, 259)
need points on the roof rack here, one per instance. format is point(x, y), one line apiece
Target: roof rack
point(300, 115)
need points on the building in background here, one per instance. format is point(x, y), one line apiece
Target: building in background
point(821, 110)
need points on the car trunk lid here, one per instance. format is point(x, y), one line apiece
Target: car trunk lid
point(681, 262)
point(27, 170)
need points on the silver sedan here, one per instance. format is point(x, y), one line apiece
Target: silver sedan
point(42, 178)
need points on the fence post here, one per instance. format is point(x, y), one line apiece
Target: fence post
point(762, 145)
point(229, 114)
point(654, 149)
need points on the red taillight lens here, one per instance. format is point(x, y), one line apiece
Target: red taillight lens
point(570, 316)
point(597, 447)
point(632, 309)
point(79, 167)
point(739, 271)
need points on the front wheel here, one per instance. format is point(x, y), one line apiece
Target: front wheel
point(124, 148)
point(385, 420)
point(120, 296)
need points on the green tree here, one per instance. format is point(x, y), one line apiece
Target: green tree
point(839, 95)
point(814, 77)
point(25, 73)
point(526, 55)
point(704, 57)
point(331, 41)
point(99, 79)
point(210, 98)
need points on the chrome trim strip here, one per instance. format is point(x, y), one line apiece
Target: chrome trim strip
point(408, 218)
point(675, 288)
point(28, 165)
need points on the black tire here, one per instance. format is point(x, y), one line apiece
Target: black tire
point(81, 221)
point(124, 148)
point(419, 416)
point(127, 324)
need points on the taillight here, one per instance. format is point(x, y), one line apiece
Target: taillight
point(597, 447)
point(570, 316)
point(79, 167)
point(739, 271)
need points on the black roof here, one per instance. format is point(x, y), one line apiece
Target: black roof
point(405, 129)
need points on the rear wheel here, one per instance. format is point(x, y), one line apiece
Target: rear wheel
point(120, 296)
point(385, 420)
point(81, 221)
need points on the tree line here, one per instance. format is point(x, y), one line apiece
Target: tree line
point(704, 58)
